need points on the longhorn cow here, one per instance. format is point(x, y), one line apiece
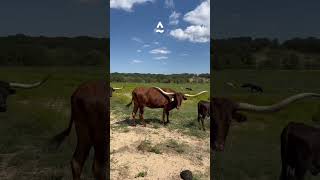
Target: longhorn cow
point(223, 110)
point(9, 88)
point(89, 112)
point(156, 97)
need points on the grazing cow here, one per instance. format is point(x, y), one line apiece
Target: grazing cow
point(156, 97)
point(186, 175)
point(252, 87)
point(224, 110)
point(89, 112)
point(300, 151)
point(203, 111)
point(113, 89)
point(189, 89)
point(7, 89)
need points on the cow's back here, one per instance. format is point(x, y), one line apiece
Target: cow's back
point(89, 105)
point(150, 97)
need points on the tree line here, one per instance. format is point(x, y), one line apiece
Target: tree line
point(160, 78)
point(264, 53)
point(22, 50)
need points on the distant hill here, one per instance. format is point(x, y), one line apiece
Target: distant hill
point(160, 78)
point(263, 53)
point(24, 50)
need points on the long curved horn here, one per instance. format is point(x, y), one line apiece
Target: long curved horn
point(189, 95)
point(166, 93)
point(26, 86)
point(277, 106)
point(118, 88)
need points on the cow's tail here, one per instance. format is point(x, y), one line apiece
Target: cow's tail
point(128, 105)
point(57, 140)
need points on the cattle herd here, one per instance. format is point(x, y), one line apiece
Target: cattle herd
point(300, 143)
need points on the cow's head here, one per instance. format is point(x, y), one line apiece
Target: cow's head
point(223, 110)
point(5, 91)
point(177, 97)
point(113, 89)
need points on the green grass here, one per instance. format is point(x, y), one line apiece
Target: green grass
point(141, 174)
point(184, 119)
point(253, 147)
point(36, 115)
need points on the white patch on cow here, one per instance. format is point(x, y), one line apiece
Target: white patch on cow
point(172, 99)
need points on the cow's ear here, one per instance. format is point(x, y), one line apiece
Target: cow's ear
point(12, 91)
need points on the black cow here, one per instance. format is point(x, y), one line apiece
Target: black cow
point(252, 87)
point(203, 111)
point(300, 151)
point(8, 88)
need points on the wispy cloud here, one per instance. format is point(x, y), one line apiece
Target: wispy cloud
point(136, 39)
point(160, 57)
point(174, 18)
point(146, 45)
point(139, 50)
point(169, 4)
point(126, 5)
point(199, 30)
point(156, 43)
point(162, 50)
point(184, 54)
point(136, 61)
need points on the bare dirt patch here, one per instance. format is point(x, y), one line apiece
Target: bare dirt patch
point(156, 153)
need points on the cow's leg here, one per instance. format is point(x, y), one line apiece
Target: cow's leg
point(134, 112)
point(141, 110)
point(82, 151)
point(163, 116)
point(202, 119)
point(167, 113)
point(98, 167)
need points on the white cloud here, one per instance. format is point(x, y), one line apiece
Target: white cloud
point(136, 39)
point(199, 30)
point(197, 34)
point(139, 51)
point(169, 3)
point(174, 18)
point(126, 5)
point(136, 61)
point(200, 15)
point(160, 57)
point(156, 43)
point(162, 50)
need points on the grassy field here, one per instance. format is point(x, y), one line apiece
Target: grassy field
point(184, 119)
point(158, 151)
point(253, 148)
point(33, 117)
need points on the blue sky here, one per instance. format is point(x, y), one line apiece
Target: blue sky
point(182, 48)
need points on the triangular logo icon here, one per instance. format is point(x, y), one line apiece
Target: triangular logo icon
point(160, 25)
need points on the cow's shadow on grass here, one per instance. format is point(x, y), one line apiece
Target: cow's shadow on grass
point(129, 121)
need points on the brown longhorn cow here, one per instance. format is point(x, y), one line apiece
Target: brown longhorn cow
point(223, 110)
point(89, 112)
point(156, 97)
